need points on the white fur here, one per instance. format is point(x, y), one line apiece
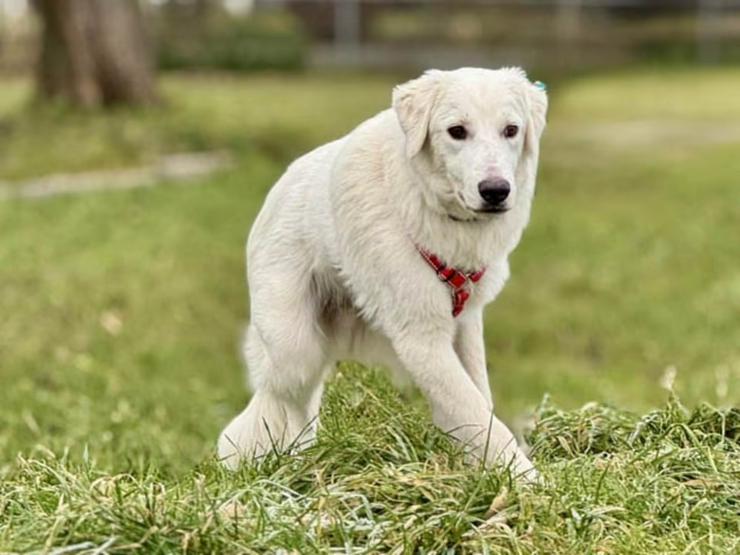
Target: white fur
point(334, 273)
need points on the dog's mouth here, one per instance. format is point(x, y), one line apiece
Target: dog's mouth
point(493, 210)
point(479, 215)
point(470, 214)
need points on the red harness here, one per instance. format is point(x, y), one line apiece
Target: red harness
point(457, 280)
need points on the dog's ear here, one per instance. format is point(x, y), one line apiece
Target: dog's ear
point(537, 97)
point(413, 102)
point(536, 100)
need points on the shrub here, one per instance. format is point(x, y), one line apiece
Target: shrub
point(272, 40)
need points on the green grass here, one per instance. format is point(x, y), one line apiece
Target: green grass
point(696, 94)
point(208, 112)
point(388, 482)
point(121, 314)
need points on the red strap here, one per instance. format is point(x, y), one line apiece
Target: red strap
point(456, 279)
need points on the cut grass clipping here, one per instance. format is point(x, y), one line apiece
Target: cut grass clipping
point(382, 479)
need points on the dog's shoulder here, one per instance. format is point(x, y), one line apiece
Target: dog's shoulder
point(372, 150)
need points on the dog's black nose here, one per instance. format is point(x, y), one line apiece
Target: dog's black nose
point(494, 191)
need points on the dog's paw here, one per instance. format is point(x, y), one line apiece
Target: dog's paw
point(239, 442)
point(265, 426)
point(522, 469)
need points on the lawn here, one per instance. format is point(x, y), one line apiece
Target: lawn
point(121, 315)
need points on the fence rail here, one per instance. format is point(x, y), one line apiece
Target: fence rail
point(560, 34)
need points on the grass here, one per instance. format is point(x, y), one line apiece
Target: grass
point(197, 112)
point(664, 483)
point(121, 314)
point(696, 94)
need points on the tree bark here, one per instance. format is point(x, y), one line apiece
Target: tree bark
point(94, 52)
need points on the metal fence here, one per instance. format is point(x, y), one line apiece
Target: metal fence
point(559, 35)
point(555, 36)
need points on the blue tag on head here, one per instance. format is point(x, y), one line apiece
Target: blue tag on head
point(540, 85)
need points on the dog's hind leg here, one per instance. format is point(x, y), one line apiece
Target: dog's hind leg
point(286, 356)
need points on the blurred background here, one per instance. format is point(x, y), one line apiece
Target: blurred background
point(138, 139)
point(559, 37)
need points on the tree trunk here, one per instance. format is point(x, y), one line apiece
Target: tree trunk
point(94, 52)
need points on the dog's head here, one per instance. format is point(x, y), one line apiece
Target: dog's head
point(474, 136)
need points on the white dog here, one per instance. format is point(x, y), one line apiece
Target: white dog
point(383, 247)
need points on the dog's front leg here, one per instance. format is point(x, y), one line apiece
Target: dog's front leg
point(458, 407)
point(471, 350)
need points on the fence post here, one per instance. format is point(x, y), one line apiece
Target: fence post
point(347, 23)
point(568, 24)
point(708, 21)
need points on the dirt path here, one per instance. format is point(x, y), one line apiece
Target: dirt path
point(642, 133)
point(618, 136)
point(174, 168)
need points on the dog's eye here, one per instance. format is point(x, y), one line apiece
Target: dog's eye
point(510, 131)
point(458, 132)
